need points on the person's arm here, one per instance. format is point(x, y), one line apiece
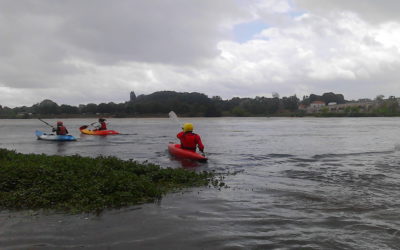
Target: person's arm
point(179, 135)
point(200, 143)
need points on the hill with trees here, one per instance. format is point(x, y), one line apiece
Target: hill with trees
point(160, 103)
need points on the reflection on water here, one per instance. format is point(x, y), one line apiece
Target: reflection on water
point(187, 163)
point(294, 183)
point(61, 147)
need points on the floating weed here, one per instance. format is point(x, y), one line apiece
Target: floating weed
point(82, 184)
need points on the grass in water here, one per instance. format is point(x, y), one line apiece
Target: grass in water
point(83, 184)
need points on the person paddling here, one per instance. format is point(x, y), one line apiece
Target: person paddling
point(60, 129)
point(190, 140)
point(102, 124)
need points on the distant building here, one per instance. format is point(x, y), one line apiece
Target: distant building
point(132, 96)
point(303, 107)
point(314, 107)
point(364, 100)
point(361, 106)
point(317, 106)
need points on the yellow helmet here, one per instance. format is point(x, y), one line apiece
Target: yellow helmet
point(187, 127)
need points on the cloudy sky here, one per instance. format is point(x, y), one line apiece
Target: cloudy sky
point(76, 51)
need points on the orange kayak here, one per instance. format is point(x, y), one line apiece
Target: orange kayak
point(97, 132)
point(177, 151)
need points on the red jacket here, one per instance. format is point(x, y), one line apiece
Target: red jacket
point(190, 140)
point(61, 130)
point(103, 126)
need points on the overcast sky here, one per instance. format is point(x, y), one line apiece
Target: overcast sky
point(83, 51)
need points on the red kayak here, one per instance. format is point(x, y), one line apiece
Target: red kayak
point(177, 151)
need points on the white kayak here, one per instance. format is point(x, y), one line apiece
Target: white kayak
point(52, 137)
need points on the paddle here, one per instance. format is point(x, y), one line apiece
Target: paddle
point(175, 118)
point(47, 123)
point(85, 126)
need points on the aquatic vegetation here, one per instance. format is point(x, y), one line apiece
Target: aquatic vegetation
point(83, 184)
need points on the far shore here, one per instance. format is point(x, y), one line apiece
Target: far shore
point(96, 116)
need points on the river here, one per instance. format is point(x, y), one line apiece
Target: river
point(292, 183)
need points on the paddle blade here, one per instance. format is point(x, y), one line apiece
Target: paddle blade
point(172, 115)
point(83, 127)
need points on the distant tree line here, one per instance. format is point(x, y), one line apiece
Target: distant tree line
point(388, 107)
point(160, 103)
point(326, 97)
point(198, 104)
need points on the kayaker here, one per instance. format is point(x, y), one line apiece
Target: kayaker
point(60, 129)
point(190, 140)
point(102, 124)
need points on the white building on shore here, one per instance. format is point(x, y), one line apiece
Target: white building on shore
point(318, 106)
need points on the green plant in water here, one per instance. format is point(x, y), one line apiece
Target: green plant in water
point(84, 184)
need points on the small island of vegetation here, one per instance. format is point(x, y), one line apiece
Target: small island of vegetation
point(82, 184)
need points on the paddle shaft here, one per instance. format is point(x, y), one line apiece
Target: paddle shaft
point(86, 126)
point(91, 124)
point(46, 123)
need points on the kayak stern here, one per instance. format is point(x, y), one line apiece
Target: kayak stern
point(177, 151)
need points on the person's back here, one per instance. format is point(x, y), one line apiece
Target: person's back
point(103, 124)
point(61, 129)
point(190, 140)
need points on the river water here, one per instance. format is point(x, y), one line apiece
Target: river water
point(293, 183)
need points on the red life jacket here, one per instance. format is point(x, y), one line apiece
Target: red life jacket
point(61, 130)
point(190, 140)
point(103, 126)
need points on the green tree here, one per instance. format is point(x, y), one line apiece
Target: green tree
point(90, 108)
point(47, 107)
point(238, 111)
point(68, 109)
point(291, 103)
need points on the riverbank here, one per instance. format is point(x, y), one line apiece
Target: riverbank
point(294, 114)
point(77, 184)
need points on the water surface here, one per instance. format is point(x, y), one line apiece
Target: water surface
point(294, 183)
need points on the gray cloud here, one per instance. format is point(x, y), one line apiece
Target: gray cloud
point(39, 36)
point(166, 31)
point(371, 10)
point(76, 51)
